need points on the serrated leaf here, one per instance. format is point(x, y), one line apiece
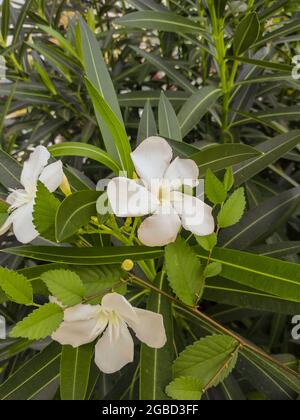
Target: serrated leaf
point(210, 360)
point(185, 388)
point(44, 212)
point(214, 188)
point(246, 34)
point(40, 323)
point(98, 279)
point(16, 286)
point(207, 242)
point(228, 179)
point(65, 285)
point(184, 271)
point(212, 270)
point(233, 210)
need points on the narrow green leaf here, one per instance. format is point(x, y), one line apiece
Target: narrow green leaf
point(75, 371)
point(40, 323)
point(168, 122)
point(65, 285)
point(16, 287)
point(5, 19)
point(246, 33)
point(147, 126)
point(10, 171)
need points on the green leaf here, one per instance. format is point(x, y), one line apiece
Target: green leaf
point(5, 19)
point(220, 6)
point(164, 21)
point(185, 388)
point(261, 220)
point(196, 107)
point(86, 151)
point(16, 287)
point(184, 272)
point(74, 212)
point(156, 364)
point(228, 179)
point(222, 156)
point(233, 210)
point(64, 43)
point(44, 212)
point(246, 33)
point(98, 75)
point(270, 275)
point(210, 360)
point(65, 285)
point(75, 371)
point(34, 376)
point(147, 126)
point(20, 22)
point(168, 122)
point(265, 64)
point(214, 188)
point(207, 242)
point(40, 323)
point(212, 270)
point(98, 279)
point(140, 98)
point(86, 256)
point(10, 171)
point(281, 33)
point(114, 125)
point(272, 150)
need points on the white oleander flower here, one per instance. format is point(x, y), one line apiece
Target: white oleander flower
point(22, 201)
point(158, 193)
point(85, 323)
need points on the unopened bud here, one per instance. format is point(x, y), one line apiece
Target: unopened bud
point(65, 186)
point(127, 265)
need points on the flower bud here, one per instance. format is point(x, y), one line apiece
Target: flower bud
point(65, 186)
point(127, 265)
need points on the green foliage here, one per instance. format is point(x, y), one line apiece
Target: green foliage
point(65, 285)
point(233, 210)
point(185, 388)
point(40, 323)
point(184, 272)
point(16, 287)
point(214, 188)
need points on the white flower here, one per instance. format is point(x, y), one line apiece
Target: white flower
point(22, 201)
point(158, 193)
point(84, 323)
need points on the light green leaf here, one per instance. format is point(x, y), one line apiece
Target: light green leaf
point(184, 272)
point(86, 151)
point(75, 371)
point(210, 360)
point(207, 242)
point(164, 21)
point(16, 287)
point(114, 125)
point(99, 279)
point(214, 188)
point(233, 210)
point(246, 33)
point(40, 323)
point(212, 270)
point(168, 122)
point(44, 212)
point(74, 212)
point(228, 179)
point(185, 388)
point(196, 107)
point(65, 285)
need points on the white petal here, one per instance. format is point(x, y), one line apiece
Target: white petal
point(78, 333)
point(33, 167)
point(127, 198)
point(114, 349)
point(159, 229)
point(81, 313)
point(23, 227)
point(52, 176)
point(6, 226)
point(152, 158)
point(183, 172)
point(116, 302)
point(150, 328)
point(196, 216)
